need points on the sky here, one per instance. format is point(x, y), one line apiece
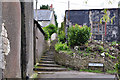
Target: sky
point(61, 5)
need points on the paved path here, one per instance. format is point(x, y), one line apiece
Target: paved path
point(73, 74)
point(48, 69)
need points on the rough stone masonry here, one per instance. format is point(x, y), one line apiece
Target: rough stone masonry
point(5, 47)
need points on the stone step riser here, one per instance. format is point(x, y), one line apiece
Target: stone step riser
point(38, 69)
point(48, 65)
point(47, 62)
point(47, 59)
point(49, 54)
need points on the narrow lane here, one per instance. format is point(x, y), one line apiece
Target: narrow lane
point(47, 68)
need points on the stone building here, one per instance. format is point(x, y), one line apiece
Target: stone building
point(17, 39)
point(44, 17)
point(91, 18)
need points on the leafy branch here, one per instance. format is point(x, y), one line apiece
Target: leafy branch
point(106, 18)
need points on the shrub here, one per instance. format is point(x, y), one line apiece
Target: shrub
point(78, 35)
point(80, 52)
point(61, 47)
point(46, 34)
point(51, 29)
point(113, 43)
point(61, 37)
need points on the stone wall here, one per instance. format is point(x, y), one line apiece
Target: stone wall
point(5, 49)
point(40, 45)
point(92, 18)
point(11, 17)
point(0, 40)
point(27, 47)
point(77, 62)
point(17, 40)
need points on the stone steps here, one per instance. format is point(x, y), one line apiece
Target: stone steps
point(46, 59)
point(47, 64)
point(50, 69)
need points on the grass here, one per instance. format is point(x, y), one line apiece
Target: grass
point(34, 75)
point(68, 52)
point(112, 57)
point(69, 68)
point(98, 71)
point(35, 66)
point(95, 71)
point(111, 71)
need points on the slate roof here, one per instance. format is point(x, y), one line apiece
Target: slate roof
point(43, 15)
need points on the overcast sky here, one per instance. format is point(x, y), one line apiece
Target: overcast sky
point(61, 5)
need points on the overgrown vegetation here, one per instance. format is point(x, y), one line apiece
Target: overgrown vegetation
point(118, 65)
point(49, 30)
point(61, 46)
point(61, 33)
point(89, 70)
point(112, 57)
point(61, 37)
point(98, 71)
point(47, 36)
point(79, 44)
point(78, 35)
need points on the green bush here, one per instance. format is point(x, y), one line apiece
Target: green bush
point(78, 35)
point(46, 34)
point(61, 47)
point(113, 43)
point(51, 29)
point(61, 37)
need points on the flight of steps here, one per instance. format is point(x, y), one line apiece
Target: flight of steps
point(47, 64)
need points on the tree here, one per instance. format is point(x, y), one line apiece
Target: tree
point(50, 29)
point(61, 33)
point(56, 23)
point(106, 19)
point(44, 7)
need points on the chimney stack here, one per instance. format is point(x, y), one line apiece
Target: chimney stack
point(51, 7)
